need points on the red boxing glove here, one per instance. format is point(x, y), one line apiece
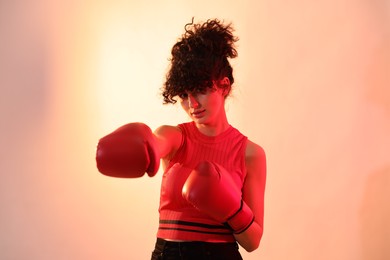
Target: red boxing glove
point(128, 152)
point(210, 189)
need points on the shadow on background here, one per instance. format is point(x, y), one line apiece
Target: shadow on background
point(375, 216)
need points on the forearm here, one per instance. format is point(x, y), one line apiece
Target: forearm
point(250, 238)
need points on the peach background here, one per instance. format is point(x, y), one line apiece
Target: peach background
point(312, 87)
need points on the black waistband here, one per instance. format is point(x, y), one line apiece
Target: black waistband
point(166, 249)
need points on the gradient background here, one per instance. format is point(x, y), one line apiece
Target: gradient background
point(312, 87)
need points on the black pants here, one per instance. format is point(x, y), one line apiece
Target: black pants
point(168, 250)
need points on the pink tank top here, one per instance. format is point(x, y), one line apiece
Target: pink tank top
point(179, 220)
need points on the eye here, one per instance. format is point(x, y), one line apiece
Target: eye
point(201, 91)
point(183, 95)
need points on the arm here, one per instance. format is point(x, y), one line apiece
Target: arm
point(211, 189)
point(168, 140)
point(253, 195)
point(132, 149)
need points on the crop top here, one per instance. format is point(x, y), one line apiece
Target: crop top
point(178, 219)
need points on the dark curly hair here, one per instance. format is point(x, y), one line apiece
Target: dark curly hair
point(200, 57)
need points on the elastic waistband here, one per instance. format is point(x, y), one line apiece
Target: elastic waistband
point(166, 249)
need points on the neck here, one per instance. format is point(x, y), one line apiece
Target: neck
point(213, 129)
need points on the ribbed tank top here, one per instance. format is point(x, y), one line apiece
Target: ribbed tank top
point(179, 220)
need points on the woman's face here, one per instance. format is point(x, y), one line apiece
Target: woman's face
point(204, 107)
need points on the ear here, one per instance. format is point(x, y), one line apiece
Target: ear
point(225, 84)
point(224, 81)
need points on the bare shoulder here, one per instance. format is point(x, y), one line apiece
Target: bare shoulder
point(255, 160)
point(254, 153)
point(167, 130)
point(169, 139)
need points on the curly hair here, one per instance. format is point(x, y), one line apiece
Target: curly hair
point(199, 58)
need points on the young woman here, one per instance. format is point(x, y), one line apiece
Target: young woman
point(212, 191)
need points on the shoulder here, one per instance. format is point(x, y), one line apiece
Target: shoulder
point(254, 151)
point(165, 130)
point(169, 139)
point(255, 159)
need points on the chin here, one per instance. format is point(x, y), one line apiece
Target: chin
point(200, 120)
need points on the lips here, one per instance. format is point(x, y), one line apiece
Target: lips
point(198, 113)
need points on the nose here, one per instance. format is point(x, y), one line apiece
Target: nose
point(192, 102)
